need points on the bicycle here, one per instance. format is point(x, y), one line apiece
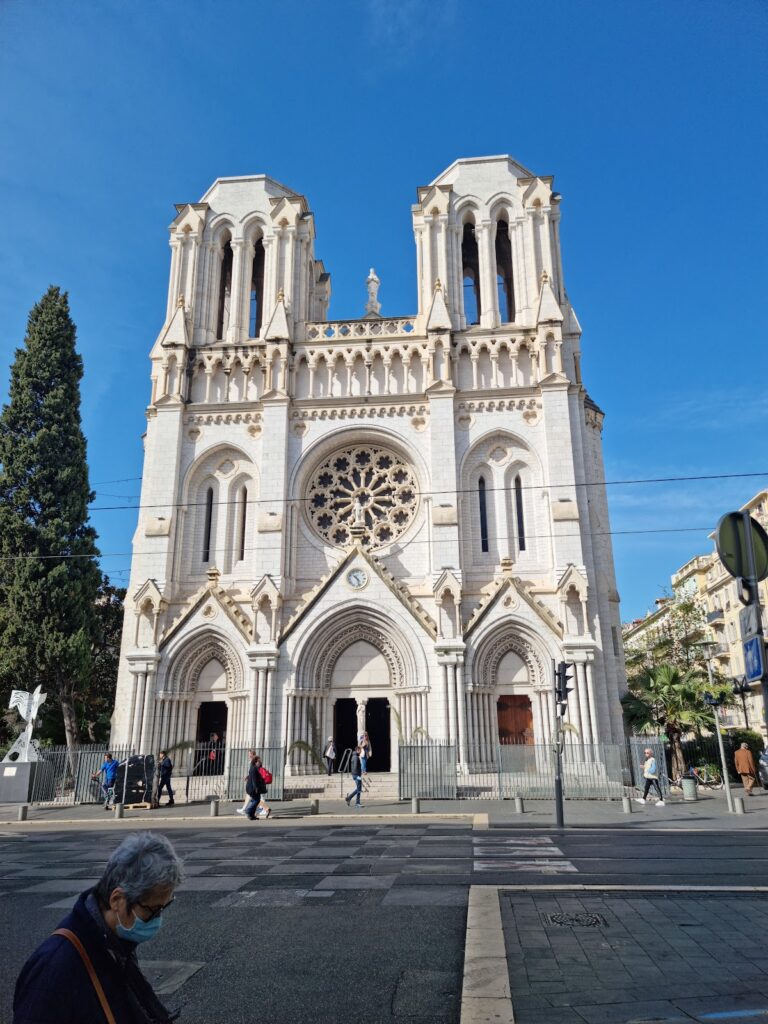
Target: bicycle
point(704, 777)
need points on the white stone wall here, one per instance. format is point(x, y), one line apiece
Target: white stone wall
point(499, 399)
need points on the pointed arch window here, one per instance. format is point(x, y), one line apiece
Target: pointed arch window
point(470, 273)
point(483, 514)
point(208, 524)
point(225, 290)
point(241, 525)
point(520, 514)
point(256, 299)
point(504, 282)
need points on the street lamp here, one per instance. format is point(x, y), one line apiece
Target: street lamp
point(709, 647)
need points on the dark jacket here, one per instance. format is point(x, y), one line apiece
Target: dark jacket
point(356, 765)
point(54, 986)
point(166, 767)
point(255, 784)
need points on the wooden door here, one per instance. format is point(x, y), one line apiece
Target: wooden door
point(515, 718)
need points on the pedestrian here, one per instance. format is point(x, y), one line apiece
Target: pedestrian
point(165, 770)
point(246, 799)
point(330, 754)
point(256, 787)
point(745, 766)
point(109, 770)
point(87, 970)
point(366, 751)
point(651, 776)
point(356, 770)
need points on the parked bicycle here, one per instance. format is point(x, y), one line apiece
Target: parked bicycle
point(705, 776)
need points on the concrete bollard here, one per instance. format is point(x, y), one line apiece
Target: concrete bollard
point(626, 805)
point(214, 808)
point(118, 810)
point(415, 805)
point(519, 806)
point(314, 806)
point(738, 805)
point(22, 812)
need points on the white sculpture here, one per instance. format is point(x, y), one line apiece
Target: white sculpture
point(372, 306)
point(359, 513)
point(27, 704)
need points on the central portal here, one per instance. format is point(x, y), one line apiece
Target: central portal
point(377, 727)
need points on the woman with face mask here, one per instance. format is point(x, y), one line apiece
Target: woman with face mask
point(87, 969)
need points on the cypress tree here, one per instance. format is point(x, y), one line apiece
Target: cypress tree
point(49, 576)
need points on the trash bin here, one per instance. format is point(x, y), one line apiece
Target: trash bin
point(690, 789)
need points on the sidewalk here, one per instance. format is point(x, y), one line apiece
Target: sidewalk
point(707, 813)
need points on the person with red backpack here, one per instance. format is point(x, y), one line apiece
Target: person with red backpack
point(258, 779)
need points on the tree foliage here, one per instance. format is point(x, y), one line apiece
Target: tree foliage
point(49, 577)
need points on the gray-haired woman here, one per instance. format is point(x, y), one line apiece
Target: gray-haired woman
point(87, 970)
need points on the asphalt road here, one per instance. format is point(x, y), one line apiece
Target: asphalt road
point(349, 924)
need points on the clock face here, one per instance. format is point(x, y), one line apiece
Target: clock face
point(357, 578)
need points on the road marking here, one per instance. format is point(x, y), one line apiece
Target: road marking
point(485, 990)
point(761, 1011)
point(536, 855)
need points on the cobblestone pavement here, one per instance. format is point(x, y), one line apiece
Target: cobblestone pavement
point(604, 958)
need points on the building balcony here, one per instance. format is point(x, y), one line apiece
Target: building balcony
point(716, 617)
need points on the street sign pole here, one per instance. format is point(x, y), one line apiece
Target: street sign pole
point(754, 599)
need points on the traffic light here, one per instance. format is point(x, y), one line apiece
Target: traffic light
point(562, 689)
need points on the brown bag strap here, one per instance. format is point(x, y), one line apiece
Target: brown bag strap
point(67, 934)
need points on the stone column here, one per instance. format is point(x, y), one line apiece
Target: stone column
point(260, 732)
point(461, 707)
point(361, 706)
point(289, 734)
point(268, 687)
point(236, 292)
point(594, 713)
point(141, 680)
point(581, 686)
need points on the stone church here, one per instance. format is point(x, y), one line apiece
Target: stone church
point(390, 522)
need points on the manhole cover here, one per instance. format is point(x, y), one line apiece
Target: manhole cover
point(578, 920)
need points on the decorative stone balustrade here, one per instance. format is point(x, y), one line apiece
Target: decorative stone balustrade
point(353, 330)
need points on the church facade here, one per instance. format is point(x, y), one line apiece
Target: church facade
point(391, 523)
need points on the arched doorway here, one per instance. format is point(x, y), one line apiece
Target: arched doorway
point(359, 681)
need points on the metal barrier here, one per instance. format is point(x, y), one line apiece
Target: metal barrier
point(63, 776)
point(427, 770)
point(589, 771)
point(273, 759)
point(637, 747)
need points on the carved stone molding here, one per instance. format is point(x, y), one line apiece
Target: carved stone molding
point(489, 658)
point(188, 666)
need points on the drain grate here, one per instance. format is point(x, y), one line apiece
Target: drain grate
point(578, 920)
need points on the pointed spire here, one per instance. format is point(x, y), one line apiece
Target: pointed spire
point(548, 310)
point(439, 318)
point(277, 328)
point(176, 331)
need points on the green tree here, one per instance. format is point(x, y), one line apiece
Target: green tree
point(666, 698)
point(99, 699)
point(49, 577)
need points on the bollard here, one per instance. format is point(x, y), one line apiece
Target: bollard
point(626, 805)
point(519, 808)
point(118, 810)
point(415, 803)
point(738, 805)
point(214, 808)
point(22, 815)
point(314, 806)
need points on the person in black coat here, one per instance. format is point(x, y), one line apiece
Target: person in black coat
point(109, 921)
point(165, 770)
point(356, 771)
point(256, 787)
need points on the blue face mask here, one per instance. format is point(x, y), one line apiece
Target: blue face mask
point(140, 930)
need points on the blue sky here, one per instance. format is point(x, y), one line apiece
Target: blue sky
point(650, 115)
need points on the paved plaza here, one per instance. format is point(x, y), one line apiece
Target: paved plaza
point(370, 918)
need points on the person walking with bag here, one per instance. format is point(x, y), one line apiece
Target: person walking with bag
point(241, 810)
point(87, 970)
point(651, 776)
point(356, 770)
point(330, 754)
point(256, 787)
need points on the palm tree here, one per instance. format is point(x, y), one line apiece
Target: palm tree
point(669, 698)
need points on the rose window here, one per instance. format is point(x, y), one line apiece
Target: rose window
point(366, 487)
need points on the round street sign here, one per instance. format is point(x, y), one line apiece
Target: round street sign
point(731, 543)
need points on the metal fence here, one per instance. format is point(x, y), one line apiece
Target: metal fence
point(63, 776)
point(427, 770)
point(637, 747)
point(589, 772)
point(273, 759)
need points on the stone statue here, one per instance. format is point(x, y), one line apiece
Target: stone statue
point(372, 306)
point(359, 513)
point(27, 704)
